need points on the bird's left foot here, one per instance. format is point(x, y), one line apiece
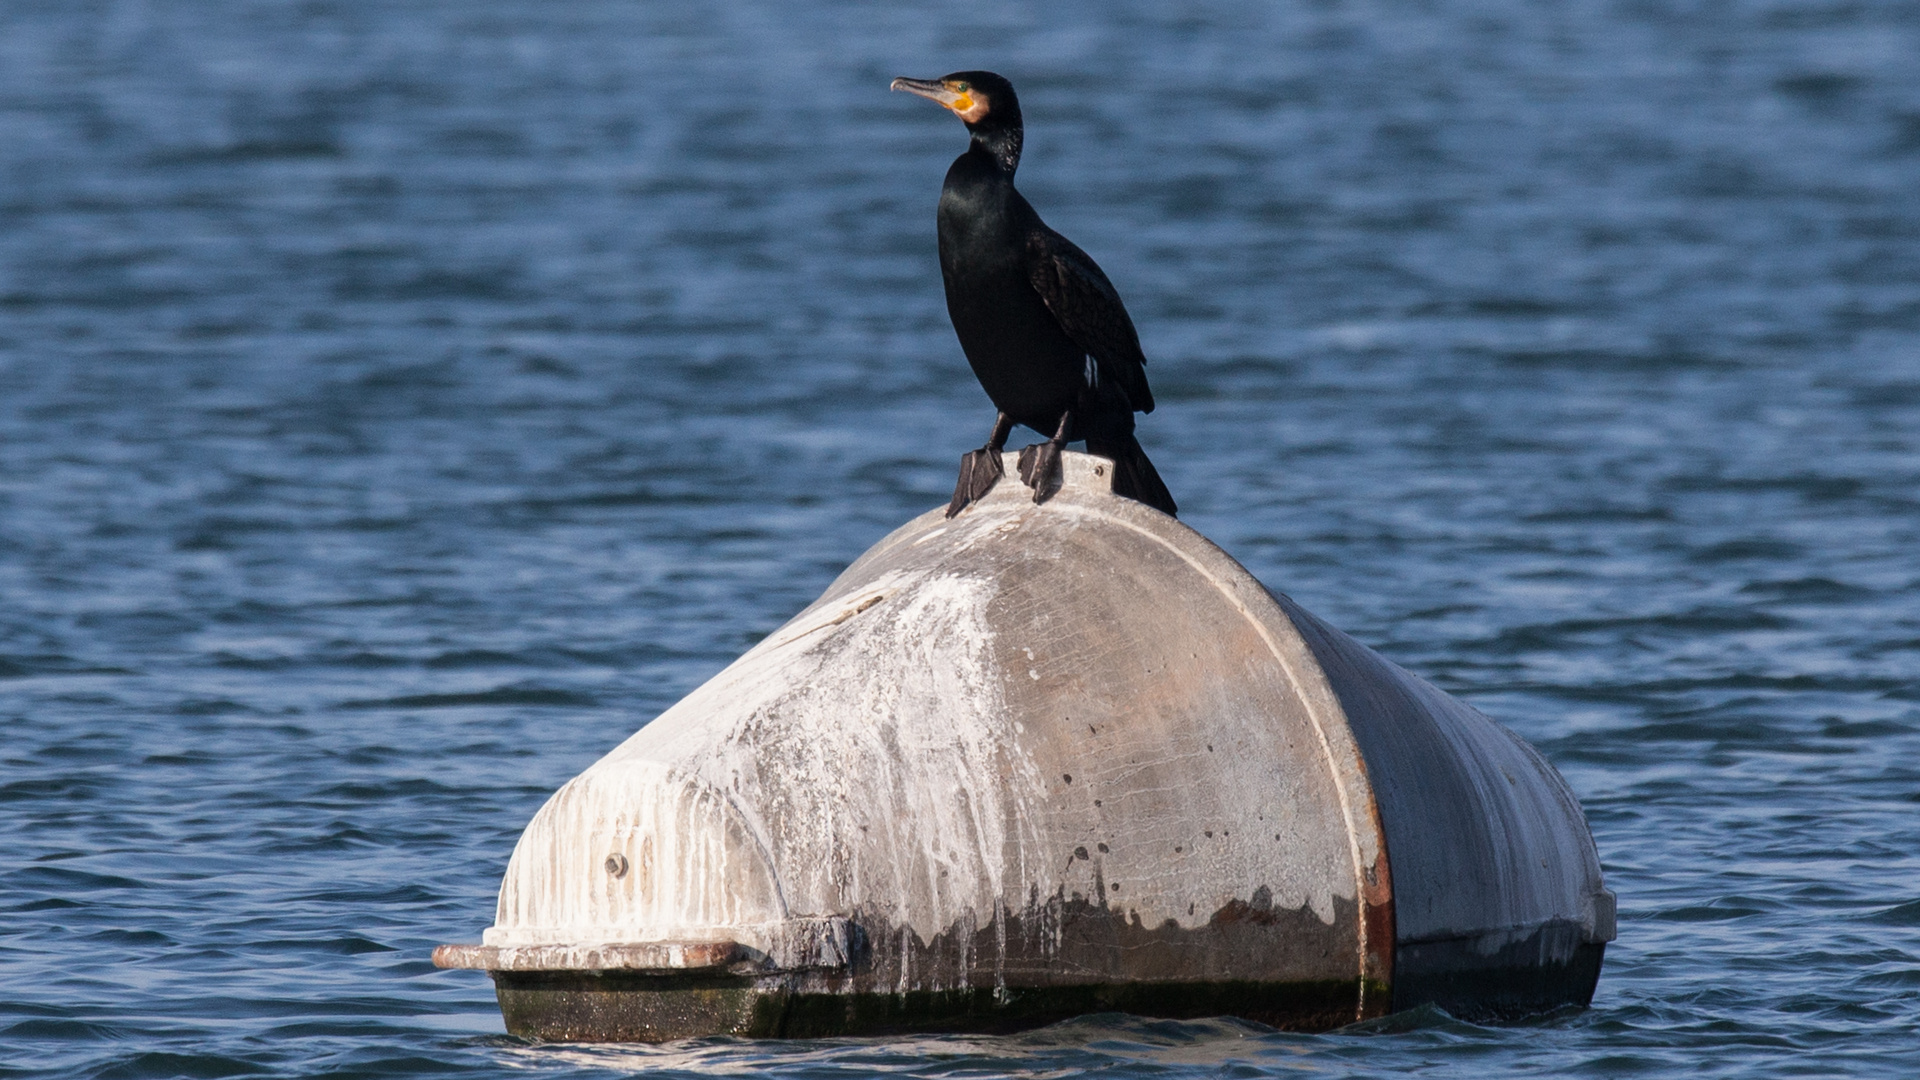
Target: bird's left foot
point(1040, 468)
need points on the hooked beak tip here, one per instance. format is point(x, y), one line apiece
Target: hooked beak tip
point(931, 89)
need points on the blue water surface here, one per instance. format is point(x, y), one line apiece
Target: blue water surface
point(403, 400)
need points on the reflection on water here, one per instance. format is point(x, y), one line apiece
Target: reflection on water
point(1074, 1048)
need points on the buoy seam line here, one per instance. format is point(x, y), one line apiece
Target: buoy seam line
point(693, 785)
point(1326, 743)
point(873, 591)
point(750, 827)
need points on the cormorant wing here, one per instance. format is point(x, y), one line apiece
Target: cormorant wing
point(1088, 308)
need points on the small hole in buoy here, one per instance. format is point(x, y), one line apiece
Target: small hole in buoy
point(1068, 777)
point(1099, 470)
point(1116, 886)
point(617, 865)
point(1104, 848)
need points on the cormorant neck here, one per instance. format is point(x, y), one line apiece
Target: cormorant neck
point(1001, 142)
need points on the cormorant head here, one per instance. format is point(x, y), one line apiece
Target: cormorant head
point(983, 100)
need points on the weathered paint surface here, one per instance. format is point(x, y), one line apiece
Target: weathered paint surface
point(1484, 834)
point(1042, 754)
point(1494, 870)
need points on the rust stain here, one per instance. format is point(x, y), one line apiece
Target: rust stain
point(1376, 916)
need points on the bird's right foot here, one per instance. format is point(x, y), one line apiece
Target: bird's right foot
point(979, 471)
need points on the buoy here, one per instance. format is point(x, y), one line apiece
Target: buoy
point(1036, 761)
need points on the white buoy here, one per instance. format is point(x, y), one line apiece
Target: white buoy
point(1036, 761)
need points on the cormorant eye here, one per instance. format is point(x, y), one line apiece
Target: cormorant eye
point(963, 87)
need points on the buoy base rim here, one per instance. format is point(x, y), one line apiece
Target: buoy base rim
point(1542, 971)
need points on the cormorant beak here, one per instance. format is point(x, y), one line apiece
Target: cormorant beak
point(964, 103)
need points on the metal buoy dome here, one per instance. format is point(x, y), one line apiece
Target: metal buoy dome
point(1039, 760)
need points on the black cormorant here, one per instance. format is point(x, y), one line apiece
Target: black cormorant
point(1041, 325)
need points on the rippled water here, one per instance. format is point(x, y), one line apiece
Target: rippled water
point(401, 402)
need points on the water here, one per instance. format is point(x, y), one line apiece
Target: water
point(401, 402)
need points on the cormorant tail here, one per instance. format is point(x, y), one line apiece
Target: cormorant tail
point(1133, 475)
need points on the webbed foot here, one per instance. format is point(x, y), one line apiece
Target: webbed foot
point(1040, 469)
point(979, 471)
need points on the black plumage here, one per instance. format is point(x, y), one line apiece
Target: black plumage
point(1042, 327)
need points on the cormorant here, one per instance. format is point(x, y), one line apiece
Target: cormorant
point(1041, 325)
